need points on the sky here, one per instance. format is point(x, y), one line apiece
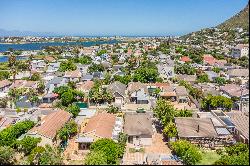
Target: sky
point(116, 17)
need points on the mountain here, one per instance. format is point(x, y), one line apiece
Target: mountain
point(239, 20)
point(4, 32)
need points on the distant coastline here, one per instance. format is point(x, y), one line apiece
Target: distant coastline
point(39, 45)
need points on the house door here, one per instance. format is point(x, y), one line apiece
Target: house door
point(118, 100)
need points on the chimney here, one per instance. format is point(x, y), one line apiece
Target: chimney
point(198, 128)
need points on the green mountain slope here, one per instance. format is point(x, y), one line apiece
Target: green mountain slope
point(239, 20)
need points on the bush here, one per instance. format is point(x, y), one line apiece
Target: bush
point(108, 147)
point(9, 135)
point(188, 152)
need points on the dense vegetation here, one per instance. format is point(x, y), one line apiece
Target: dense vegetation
point(188, 152)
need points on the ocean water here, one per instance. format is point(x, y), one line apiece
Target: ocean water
point(39, 46)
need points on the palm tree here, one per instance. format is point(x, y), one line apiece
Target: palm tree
point(12, 64)
point(31, 56)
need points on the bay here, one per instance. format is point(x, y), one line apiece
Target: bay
point(39, 46)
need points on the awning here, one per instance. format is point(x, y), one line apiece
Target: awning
point(84, 140)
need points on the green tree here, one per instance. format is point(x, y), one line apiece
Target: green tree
point(145, 75)
point(4, 75)
point(170, 130)
point(40, 87)
point(34, 155)
point(69, 130)
point(183, 113)
point(12, 63)
point(202, 78)
point(9, 135)
point(50, 156)
point(95, 68)
point(3, 102)
point(184, 69)
point(99, 53)
point(123, 79)
point(188, 152)
point(7, 155)
point(67, 66)
point(27, 144)
point(108, 147)
point(237, 154)
point(216, 69)
point(35, 77)
point(164, 111)
point(73, 109)
point(214, 102)
point(96, 158)
point(220, 80)
point(112, 109)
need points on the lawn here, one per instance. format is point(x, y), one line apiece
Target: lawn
point(208, 158)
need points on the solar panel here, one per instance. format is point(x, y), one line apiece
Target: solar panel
point(227, 121)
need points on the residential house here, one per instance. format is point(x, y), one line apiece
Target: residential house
point(138, 127)
point(53, 67)
point(208, 59)
point(166, 71)
point(181, 94)
point(55, 82)
point(238, 74)
point(87, 77)
point(48, 127)
point(211, 75)
point(38, 65)
point(82, 68)
point(138, 93)
point(188, 78)
point(102, 125)
point(185, 59)
point(72, 76)
point(240, 50)
point(196, 130)
point(118, 90)
point(5, 85)
point(241, 122)
point(49, 97)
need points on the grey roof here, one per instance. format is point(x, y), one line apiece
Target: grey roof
point(222, 131)
point(241, 122)
point(195, 127)
point(239, 72)
point(188, 78)
point(117, 87)
point(87, 77)
point(138, 124)
point(56, 80)
point(87, 113)
point(84, 139)
point(181, 91)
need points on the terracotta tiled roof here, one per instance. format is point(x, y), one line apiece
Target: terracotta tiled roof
point(4, 83)
point(49, 58)
point(51, 124)
point(209, 59)
point(73, 74)
point(185, 59)
point(85, 86)
point(101, 125)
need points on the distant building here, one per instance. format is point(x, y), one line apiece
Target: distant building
point(240, 50)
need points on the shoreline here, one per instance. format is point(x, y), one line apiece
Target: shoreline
point(95, 40)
